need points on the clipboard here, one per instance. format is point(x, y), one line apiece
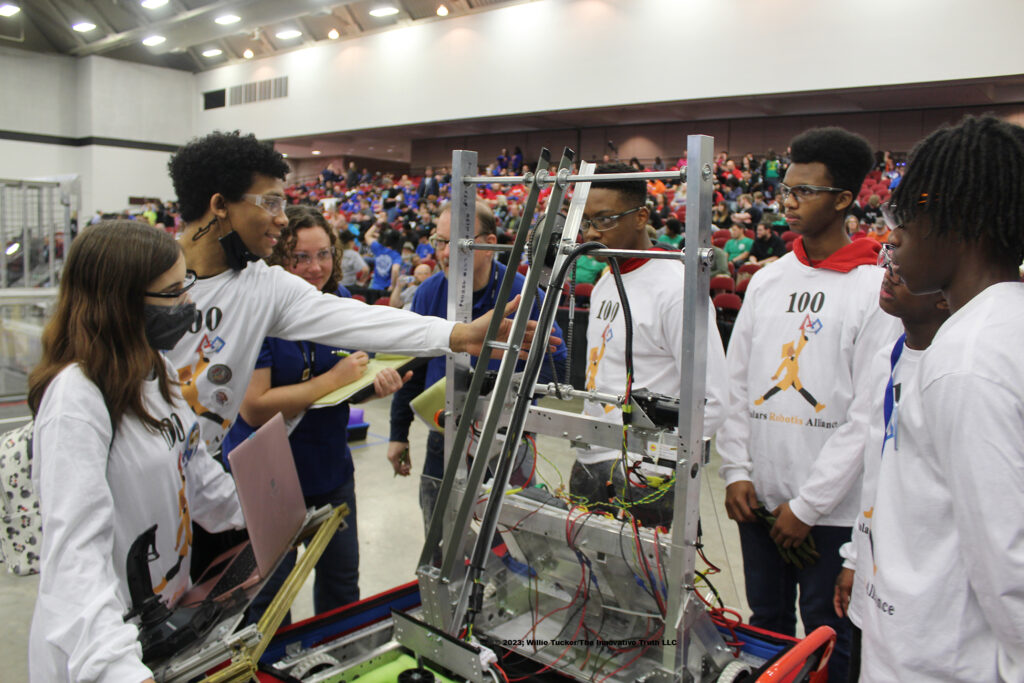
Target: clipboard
point(362, 388)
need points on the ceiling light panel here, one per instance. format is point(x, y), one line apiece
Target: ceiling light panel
point(383, 11)
point(288, 34)
point(153, 41)
point(8, 10)
point(83, 26)
point(213, 52)
point(153, 4)
point(227, 19)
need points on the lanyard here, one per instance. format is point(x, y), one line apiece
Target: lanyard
point(308, 359)
point(889, 404)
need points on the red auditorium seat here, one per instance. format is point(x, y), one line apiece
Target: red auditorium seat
point(741, 286)
point(523, 268)
point(749, 233)
point(727, 307)
point(721, 233)
point(429, 262)
point(719, 241)
point(584, 289)
point(789, 236)
point(359, 297)
point(721, 284)
point(750, 268)
point(383, 301)
point(727, 302)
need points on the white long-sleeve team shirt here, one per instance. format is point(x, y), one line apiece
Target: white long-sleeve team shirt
point(857, 553)
point(98, 492)
point(238, 309)
point(802, 338)
point(945, 601)
point(655, 294)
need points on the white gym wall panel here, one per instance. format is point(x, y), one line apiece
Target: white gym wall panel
point(566, 54)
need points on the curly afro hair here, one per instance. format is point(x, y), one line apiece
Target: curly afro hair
point(220, 163)
point(847, 156)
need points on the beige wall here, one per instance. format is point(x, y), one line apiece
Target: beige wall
point(896, 131)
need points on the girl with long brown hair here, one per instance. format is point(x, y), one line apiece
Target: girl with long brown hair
point(115, 451)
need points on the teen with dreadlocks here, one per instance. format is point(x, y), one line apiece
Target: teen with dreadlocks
point(946, 596)
point(792, 441)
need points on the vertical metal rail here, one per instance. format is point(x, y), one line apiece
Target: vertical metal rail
point(682, 607)
point(51, 231)
point(5, 210)
point(25, 235)
point(447, 515)
point(499, 397)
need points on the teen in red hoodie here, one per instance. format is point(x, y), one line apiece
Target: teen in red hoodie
point(808, 327)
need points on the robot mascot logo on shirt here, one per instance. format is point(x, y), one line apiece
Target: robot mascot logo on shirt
point(790, 366)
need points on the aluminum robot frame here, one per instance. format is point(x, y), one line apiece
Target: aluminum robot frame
point(491, 601)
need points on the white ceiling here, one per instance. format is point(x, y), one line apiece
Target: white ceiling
point(190, 29)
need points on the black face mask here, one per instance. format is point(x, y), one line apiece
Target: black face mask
point(166, 325)
point(238, 255)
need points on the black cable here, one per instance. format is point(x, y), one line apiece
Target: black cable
point(627, 408)
point(571, 324)
point(711, 586)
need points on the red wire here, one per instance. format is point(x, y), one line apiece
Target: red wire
point(501, 671)
point(534, 469)
point(638, 656)
point(647, 568)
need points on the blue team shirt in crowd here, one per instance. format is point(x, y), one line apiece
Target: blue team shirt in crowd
point(384, 258)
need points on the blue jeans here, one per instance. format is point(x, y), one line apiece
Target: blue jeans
point(336, 581)
point(772, 589)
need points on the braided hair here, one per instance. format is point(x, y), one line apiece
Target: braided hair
point(969, 180)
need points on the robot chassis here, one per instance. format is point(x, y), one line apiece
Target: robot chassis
point(681, 644)
point(470, 609)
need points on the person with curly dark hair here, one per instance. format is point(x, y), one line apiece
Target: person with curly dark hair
point(231, 191)
point(790, 442)
point(289, 377)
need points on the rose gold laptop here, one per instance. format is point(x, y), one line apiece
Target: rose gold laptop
point(273, 508)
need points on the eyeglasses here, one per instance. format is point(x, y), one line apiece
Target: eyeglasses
point(889, 214)
point(602, 223)
point(187, 284)
point(272, 203)
point(885, 260)
point(803, 192)
point(324, 256)
point(890, 211)
point(439, 243)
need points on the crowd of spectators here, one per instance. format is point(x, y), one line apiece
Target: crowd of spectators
point(391, 217)
point(386, 221)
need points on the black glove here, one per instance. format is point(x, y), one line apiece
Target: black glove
point(803, 555)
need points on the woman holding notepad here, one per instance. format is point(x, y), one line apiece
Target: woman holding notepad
point(289, 378)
